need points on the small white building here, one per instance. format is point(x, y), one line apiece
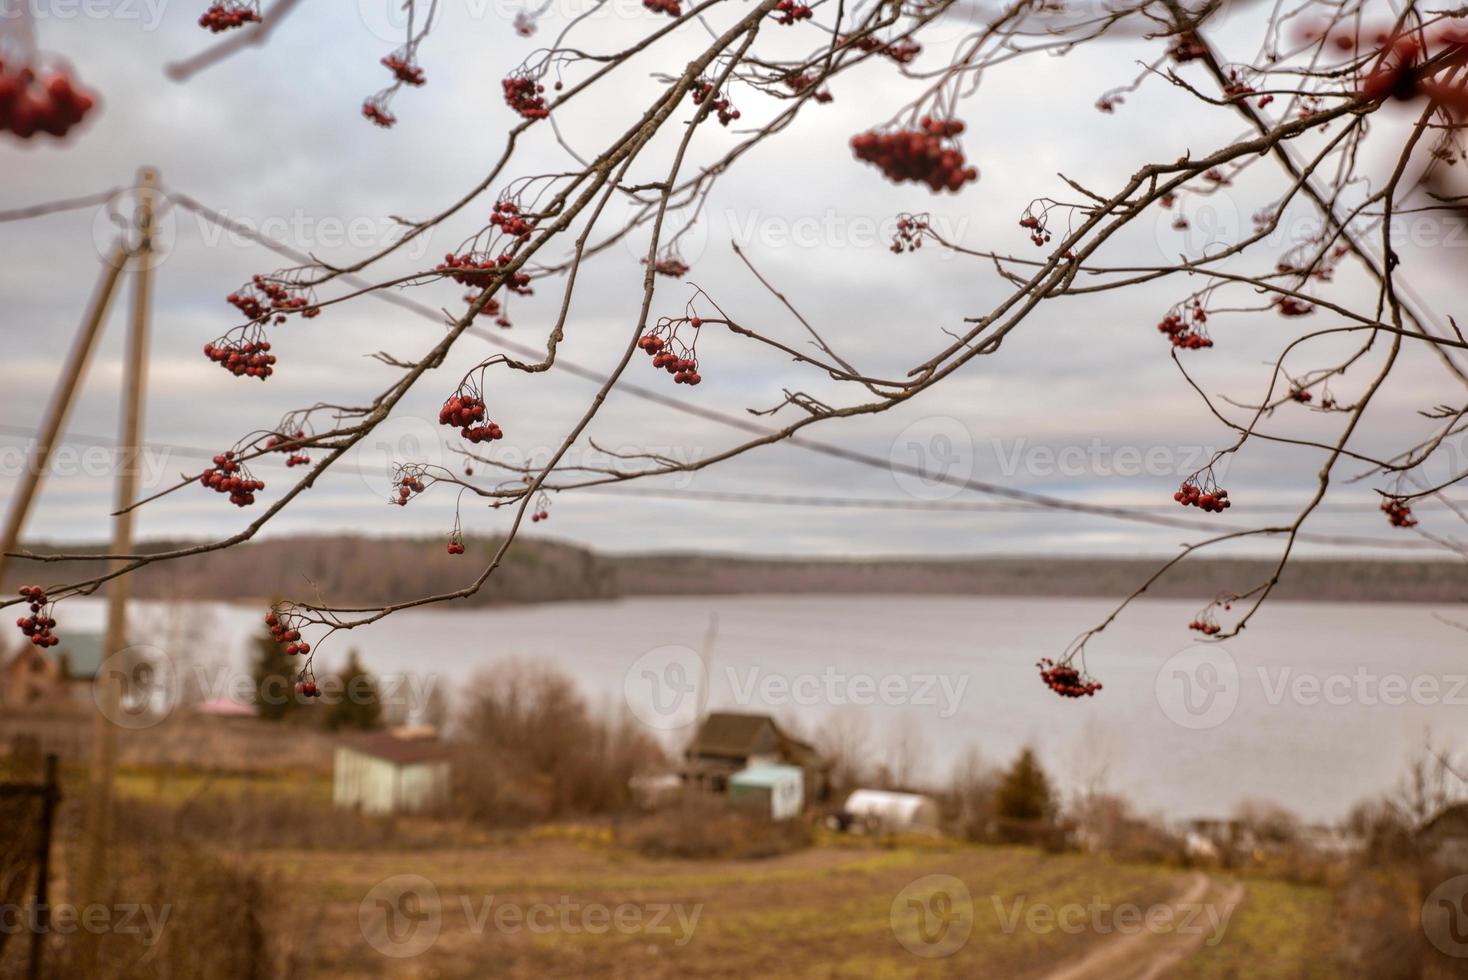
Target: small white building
point(883, 812)
point(777, 791)
point(387, 773)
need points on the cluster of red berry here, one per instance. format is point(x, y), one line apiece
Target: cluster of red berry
point(481, 272)
point(282, 631)
point(224, 15)
point(38, 625)
point(1035, 225)
point(1065, 680)
point(788, 12)
point(1399, 513)
point(228, 475)
point(374, 110)
point(465, 411)
point(1289, 306)
point(1397, 69)
point(525, 96)
point(507, 218)
point(920, 155)
point(672, 266)
point(29, 106)
point(409, 482)
point(802, 82)
point(242, 358)
point(1205, 625)
point(670, 7)
point(261, 298)
point(902, 51)
point(456, 543)
point(1301, 395)
point(540, 515)
point(1186, 46)
point(721, 105)
point(1184, 326)
point(403, 69)
point(909, 234)
point(291, 445)
point(1213, 501)
point(658, 344)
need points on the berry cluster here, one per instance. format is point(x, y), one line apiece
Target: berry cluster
point(261, 298)
point(788, 12)
point(291, 445)
point(242, 358)
point(1301, 395)
point(409, 482)
point(467, 270)
point(1398, 70)
point(1204, 623)
point(1065, 680)
point(1289, 306)
point(659, 344)
point(909, 234)
point(465, 411)
point(1035, 225)
point(525, 23)
point(283, 631)
point(800, 83)
point(507, 218)
point(456, 543)
point(540, 515)
point(525, 96)
point(29, 106)
point(1399, 513)
point(224, 15)
point(1184, 327)
point(403, 69)
point(721, 105)
point(924, 155)
point(38, 625)
point(672, 266)
point(374, 110)
point(1211, 501)
point(228, 475)
point(670, 7)
point(902, 52)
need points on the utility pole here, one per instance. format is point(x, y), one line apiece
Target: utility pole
point(108, 682)
point(60, 406)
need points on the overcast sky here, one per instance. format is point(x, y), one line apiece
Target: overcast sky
point(1082, 402)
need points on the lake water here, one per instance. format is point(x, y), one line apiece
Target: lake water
point(1316, 706)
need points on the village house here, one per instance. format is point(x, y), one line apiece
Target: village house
point(31, 677)
point(399, 771)
point(1445, 836)
point(728, 742)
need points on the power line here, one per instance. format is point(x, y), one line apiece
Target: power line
point(59, 206)
point(1036, 500)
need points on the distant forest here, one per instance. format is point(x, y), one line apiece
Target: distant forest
point(371, 570)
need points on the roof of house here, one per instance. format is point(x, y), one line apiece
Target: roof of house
point(1451, 821)
point(398, 751)
point(730, 733)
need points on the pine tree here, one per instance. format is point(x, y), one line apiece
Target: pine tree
point(1025, 792)
point(357, 704)
point(274, 674)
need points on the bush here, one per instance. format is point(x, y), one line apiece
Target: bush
point(704, 826)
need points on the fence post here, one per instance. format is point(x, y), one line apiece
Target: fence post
point(50, 794)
